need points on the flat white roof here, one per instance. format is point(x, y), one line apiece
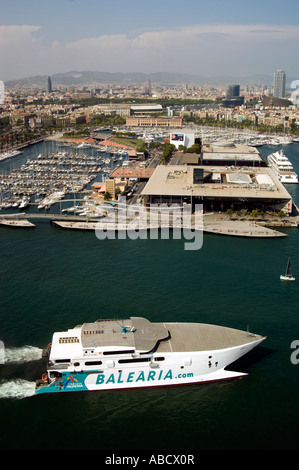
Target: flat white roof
point(242, 178)
point(146, 106)
point(231, 156)
point(263, 178)
point(177, 180)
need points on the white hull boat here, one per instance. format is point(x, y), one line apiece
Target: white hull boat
point(133, 353)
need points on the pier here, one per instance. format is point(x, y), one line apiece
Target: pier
point(16, 223)
point(216, 226)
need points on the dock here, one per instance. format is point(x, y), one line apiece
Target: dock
point(241, 229)
point(212, 223)
point(16, 223)
point(220, 227)
point(75, 225)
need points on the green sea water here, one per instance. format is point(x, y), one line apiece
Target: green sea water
point(52, 279)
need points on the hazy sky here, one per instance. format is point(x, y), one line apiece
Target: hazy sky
point(208, 38)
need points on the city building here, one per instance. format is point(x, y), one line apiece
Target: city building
point(279, 84)
point(110, 187)
point(217, 189)
point(232, 91)
point(230, 154)
point(148, 121)
point(232, 96)
point(177, 139)
point(145, 109)
point(49, 85)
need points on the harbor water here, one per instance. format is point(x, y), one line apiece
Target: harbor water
point(53, 279)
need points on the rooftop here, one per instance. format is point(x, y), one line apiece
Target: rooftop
point(123, 172)
point(226, 150)
point(177, 180)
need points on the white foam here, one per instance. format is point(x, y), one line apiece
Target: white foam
point(23, 354)
point(17, 389)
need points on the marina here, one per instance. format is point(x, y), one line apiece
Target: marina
point(48, 178)
point(55, 185)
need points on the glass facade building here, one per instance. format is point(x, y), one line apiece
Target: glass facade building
point(279, 84)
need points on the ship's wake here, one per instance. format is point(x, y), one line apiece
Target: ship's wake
point(17, 388)
point(15, 363)
point(23, 354)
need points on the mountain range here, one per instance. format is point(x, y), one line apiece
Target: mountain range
point(86, 78)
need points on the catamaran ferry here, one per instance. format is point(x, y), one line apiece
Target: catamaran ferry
point(109, 354)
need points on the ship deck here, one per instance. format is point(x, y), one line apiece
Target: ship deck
point(140, 334)
point(203, 337)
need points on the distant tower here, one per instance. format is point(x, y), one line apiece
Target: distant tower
point(279, 84)
point(232, 91)
point(49, 85)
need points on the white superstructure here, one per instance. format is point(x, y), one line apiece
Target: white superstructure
point(109, 354)
point(282, 167)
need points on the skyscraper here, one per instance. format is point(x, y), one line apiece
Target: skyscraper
point(49, 85)
point(279, 84)
point(232, 91)
point(232, 96)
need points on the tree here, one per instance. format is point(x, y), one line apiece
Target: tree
point(195, 148)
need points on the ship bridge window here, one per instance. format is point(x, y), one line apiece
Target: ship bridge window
point(93, 332)
point(68, 339)
point(59, 361)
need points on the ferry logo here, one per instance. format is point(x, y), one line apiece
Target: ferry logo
point(136, 221)
point(70, 379)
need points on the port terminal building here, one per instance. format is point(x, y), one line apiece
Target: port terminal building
point(227, 176)
point(230, 154)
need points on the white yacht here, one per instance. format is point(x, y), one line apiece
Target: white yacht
point(282, 167)
point(134, 352)
point(25, 201)
point(84, 146)
point(51, 199)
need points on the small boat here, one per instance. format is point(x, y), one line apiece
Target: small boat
point(288, 275)
point(84, 145)
point(25, 201)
